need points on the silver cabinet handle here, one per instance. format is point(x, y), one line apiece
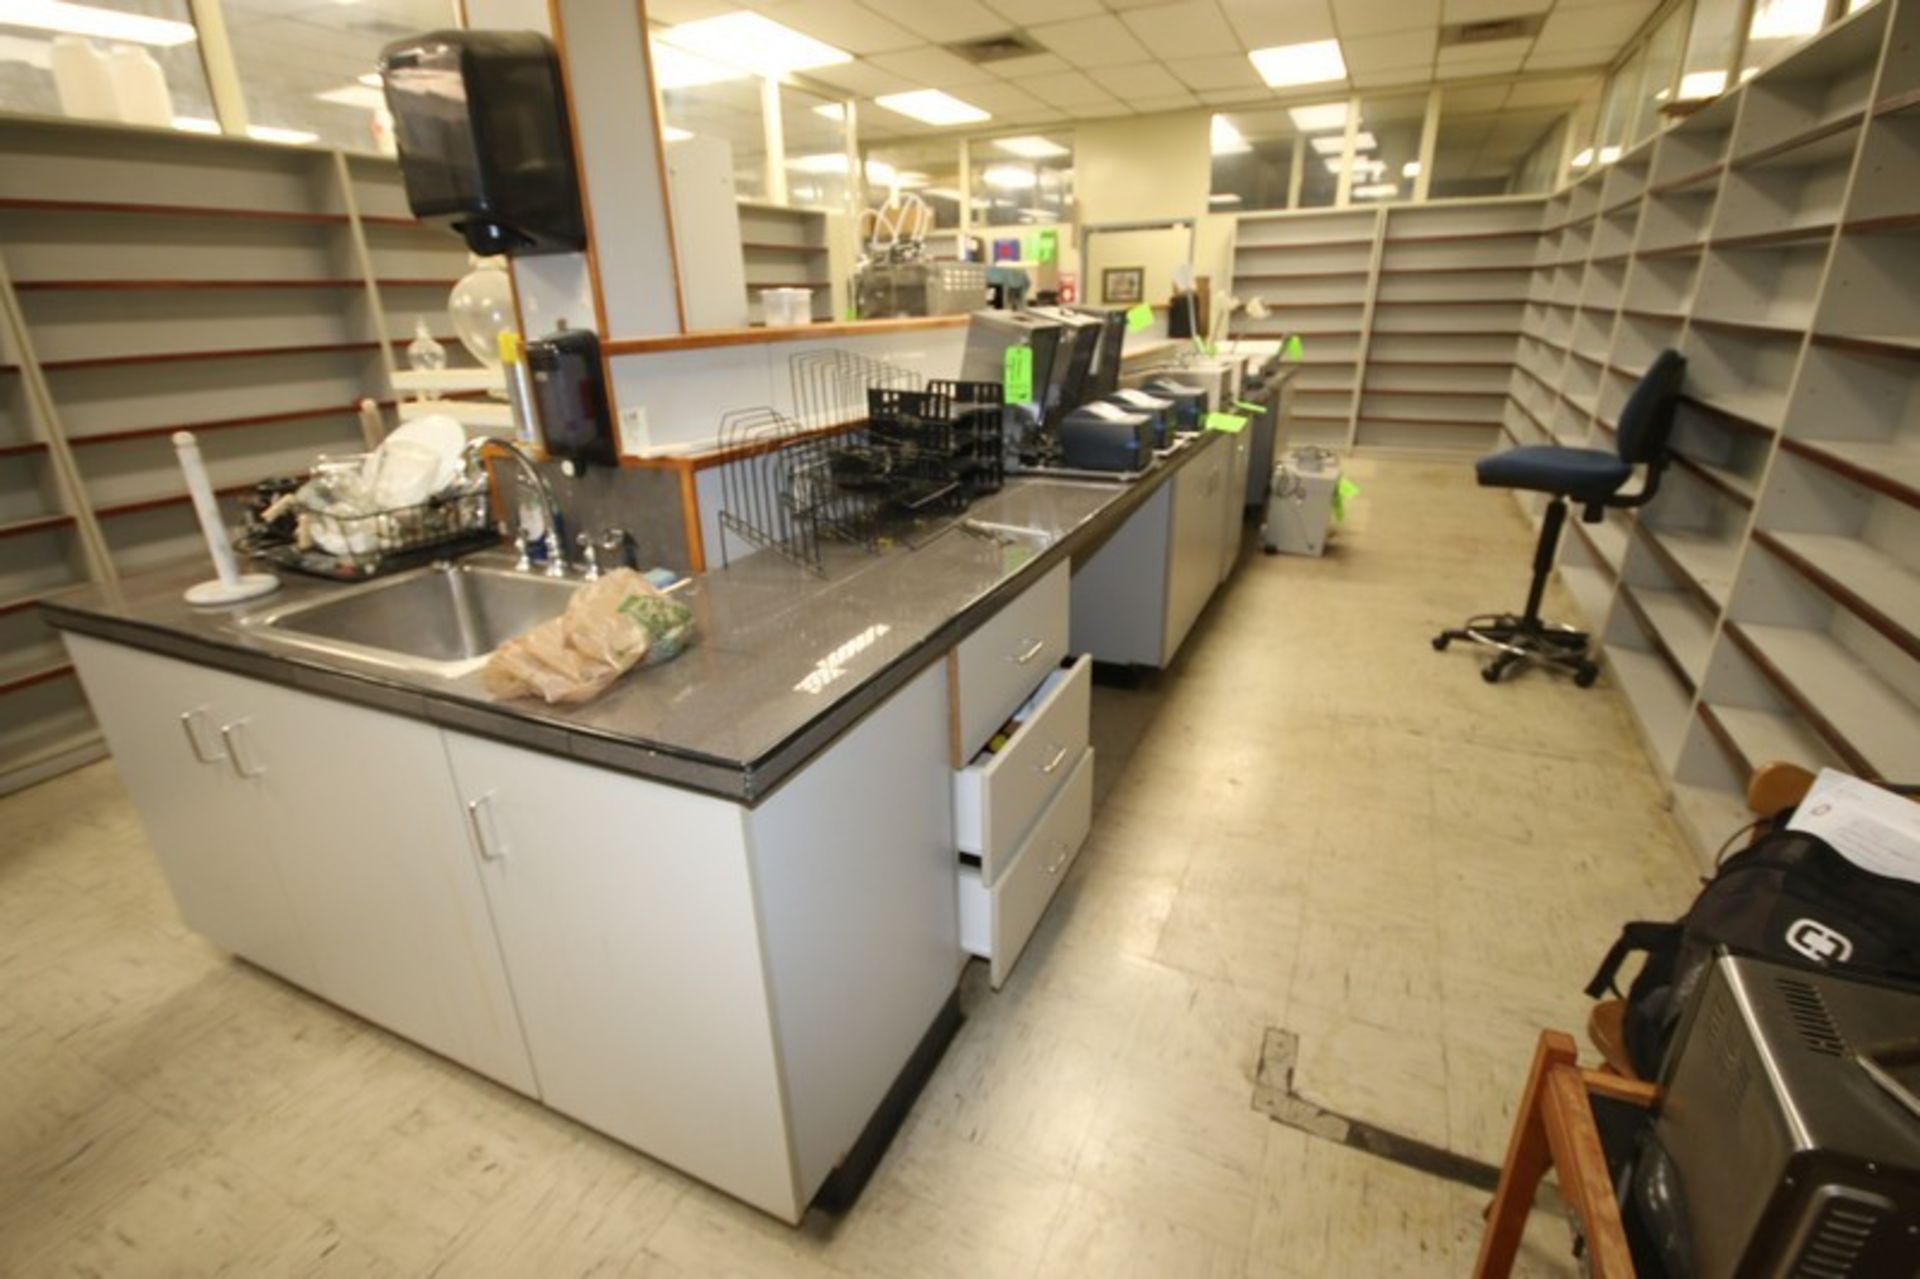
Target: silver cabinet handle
point(1031, 651)
point(1066, 851)
point(190, 725)
point(232, 734)
point(1059, 758)
point(478, 829)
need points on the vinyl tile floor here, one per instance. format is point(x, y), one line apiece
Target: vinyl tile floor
point(1313, 821)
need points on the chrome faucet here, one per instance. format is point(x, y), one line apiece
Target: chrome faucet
point(529, 474)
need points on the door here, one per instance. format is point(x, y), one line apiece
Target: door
point(374, 849)
point(625, 913)
point(162, 719)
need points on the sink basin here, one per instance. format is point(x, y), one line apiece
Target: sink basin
point(445, 620)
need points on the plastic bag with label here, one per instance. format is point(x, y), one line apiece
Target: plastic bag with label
point(609, 627)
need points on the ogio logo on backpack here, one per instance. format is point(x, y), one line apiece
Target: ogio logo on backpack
point(1818, 942)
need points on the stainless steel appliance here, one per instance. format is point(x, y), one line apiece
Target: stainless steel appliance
point(884, 290)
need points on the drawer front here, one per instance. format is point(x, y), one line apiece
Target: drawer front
point(997, 800)
point(997, 920)
point(998, 666)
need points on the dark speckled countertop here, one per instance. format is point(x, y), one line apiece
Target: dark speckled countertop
point(783, 663)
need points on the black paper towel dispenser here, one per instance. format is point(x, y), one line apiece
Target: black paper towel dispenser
point(481, 122)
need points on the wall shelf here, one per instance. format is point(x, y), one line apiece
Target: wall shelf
point(1867, 722)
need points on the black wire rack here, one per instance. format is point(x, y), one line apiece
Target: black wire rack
point(932, 450)
point(777, 491)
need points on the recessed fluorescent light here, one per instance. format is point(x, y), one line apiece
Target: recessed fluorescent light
point(86, 20)
point(930, 106)
point(355, 95)
point(824, 162)
point(668, 133)
point(1609, 154)
point(195, 124)
point(1322, 118)
point(1334, 164)
point(274, 133)
point(677, 69)
point(944, 193)
point(1031, 148)
point(1364, 141)
point(1010, 177)
point(1702, 84)
point(1224, 197)
point(1411, 169)
point(1226, 140)
point(754, 42)
point(1328, 145)
point(832, 111)
point(371, 79)
point(1285, 65)
point(1584, 158)
point(1786, 19)
point(1377, 191)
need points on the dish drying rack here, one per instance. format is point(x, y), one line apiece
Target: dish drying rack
point(371, 544)
point(874, 453)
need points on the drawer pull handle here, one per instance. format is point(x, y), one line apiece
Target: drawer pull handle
point(478, 830)
point(1066, 851)
point(190, 725)
point(1031, 651)
point(1059, 758)
point(243, 768)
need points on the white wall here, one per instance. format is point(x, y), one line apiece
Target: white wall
point(1142, 168)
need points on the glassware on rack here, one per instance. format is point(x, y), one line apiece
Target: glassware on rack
point(424, 353)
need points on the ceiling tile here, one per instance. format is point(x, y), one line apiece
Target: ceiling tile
point(1166, 102)
point(944, 21)
point(1472, 70)
point(1221, 71)
point(862, 78)
point(1375, 17)
point(1261, 23)
point(1190, 29)
point(1031, 65)
point(844, 24)
point(1479, 100)
point(1123, 6)
point(1398, 49)
point(1393, 77)
point(1609, 24)
point(1233, 97)
point(1557, 92)
point(931, 67)
point(1099, 110)
point(1092, 42)
point(1452, 11)
point(1025, 13)
point(674, 11)
point(1138, 80)
point(1002, 99)
point(1567, 59)
point(1485, 51)
point(1064, 89)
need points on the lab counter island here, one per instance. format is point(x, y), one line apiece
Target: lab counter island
point(720, 913)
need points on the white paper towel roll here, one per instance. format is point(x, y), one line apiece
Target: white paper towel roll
point(231, 585)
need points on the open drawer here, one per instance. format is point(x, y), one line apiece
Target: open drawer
point(997, 797)
point(996, 920)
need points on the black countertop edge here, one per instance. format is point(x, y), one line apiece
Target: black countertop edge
point(750, 784)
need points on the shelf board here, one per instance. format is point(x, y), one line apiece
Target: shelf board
point(1304, 244)
point(1760, 737)
point(1460, 238)
point(230, 423)
point(22, 205)
point(1892, 223)
point(1870, 725)
point(1730, 483)
point(1441, 364)
point(1885, 468)
point(231, 353)
point(1436, 422)
point(1723, 416)
point(1899, 348)
point(1656, 693)
point(1768, 239)
point(33, 598)
point(26, 448)
point(1454, 270)
point(1747, 328)
point(1685, 180)
point(1593, 360)
point(117, 509)
point(1443, 395)
point(114, 286)
point(1316, 417)
point(1379, 302)
point(13, 683)
point(1677, 249)
point(1806, 138)
point(1301, 275)
point(1606, 539)
point(33, 524)
point(1867, 582)
point(1749, 409)
point(1532, 417)
point(1895, 103)
point(1704, 563)
point(1677, 625)
point(1642, 313)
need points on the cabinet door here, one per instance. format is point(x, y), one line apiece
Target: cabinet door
point(625, 912)
point(374, 847)
point(162, 720)
point(1193, 563)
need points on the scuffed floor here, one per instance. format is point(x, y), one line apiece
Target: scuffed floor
point(1313, 822)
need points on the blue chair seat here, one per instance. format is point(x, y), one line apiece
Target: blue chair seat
point(1585, 475)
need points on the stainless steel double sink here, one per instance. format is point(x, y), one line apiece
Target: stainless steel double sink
point(444, 621)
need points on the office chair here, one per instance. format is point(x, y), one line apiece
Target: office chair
point(1591, 477)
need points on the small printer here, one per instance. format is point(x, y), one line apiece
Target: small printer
point(1106, 437)
point(1189, 402)
point(1160, 408)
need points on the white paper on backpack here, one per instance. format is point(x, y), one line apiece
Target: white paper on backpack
point(1874, 829)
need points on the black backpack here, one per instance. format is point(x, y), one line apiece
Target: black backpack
point(1789, 897)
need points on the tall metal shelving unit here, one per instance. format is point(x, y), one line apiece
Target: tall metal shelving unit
point(152, 281)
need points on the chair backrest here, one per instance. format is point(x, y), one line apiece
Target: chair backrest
point(1646, 421)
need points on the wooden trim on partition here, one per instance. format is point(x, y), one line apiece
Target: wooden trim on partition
point(690, 519)
point(1880, 483)
point(711, 338)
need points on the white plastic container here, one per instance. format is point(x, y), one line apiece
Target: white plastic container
point(140, 87)
point(84, 79)
point(787, 307)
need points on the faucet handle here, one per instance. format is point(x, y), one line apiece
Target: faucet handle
point(619, 540)
point(588, 557)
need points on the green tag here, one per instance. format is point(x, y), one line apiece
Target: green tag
point(1255, 409)
point(1140, 317)
point(1231, 423)
point(1046, 246)
point(1291, 349)
point(1019, 375)
point(1342, 491)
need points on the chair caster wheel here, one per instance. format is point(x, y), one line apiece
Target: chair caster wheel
point(1270, 550)
point(1586, 674)
point(1440, 643)
point(1491, 674)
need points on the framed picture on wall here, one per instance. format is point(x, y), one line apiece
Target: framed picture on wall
point(1123, 285)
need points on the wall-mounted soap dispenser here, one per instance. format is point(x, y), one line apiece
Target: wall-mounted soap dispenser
point(485, 148)
point(570, 398)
